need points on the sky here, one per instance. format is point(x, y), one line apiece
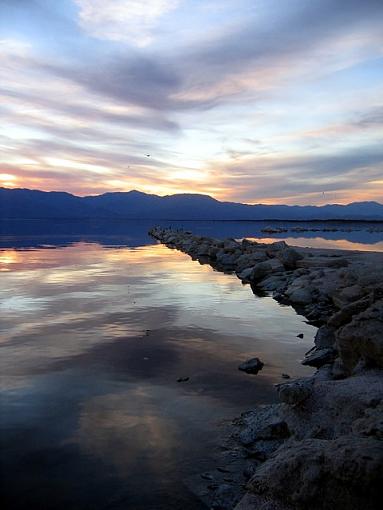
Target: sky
point(258, 101)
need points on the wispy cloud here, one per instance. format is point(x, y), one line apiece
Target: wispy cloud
point(131, 21)
point(278, 102)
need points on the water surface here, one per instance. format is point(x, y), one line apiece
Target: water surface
point(93, 339)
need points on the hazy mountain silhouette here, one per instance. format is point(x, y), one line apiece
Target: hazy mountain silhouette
point(34, 204)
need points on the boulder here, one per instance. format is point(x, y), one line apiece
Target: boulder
point(296, 392)
point(345, 314)
point(251, 366)
point(319, 357)
point(324, 338)
point(319, 474)
point(301, 296)
point(260, 271)
point(245, 275)
point(362, 338)
point(345, 296)
point(308, 262)
point(289, 257)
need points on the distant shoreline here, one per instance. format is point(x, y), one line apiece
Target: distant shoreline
point(121, 219)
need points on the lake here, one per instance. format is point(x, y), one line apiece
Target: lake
point(98, 324)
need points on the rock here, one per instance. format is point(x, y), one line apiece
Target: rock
point(273, 230)
point(362, 338)
point(345, 314)
point(226, 259)
point(289, 257)
point(300, 296)
point(274, 430)
point(225, 497)
point(338, 370)
point(371, 424)
point(320, 474)
point(251, 366)
point(250, 259)
point(325, 337)
point(273, 282)
point(278, 245)
point(319, 357)
point(260, 271)
point(230, 245)
point(308, 262)
point(296, 392)
point(347, 295)
point(245, 275)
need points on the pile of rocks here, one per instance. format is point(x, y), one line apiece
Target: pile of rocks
point(321, 446)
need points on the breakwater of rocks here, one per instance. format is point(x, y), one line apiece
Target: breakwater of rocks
point(321, 446)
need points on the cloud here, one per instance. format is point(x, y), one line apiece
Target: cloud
point(294, 179)
point(256, 57)
point(85, 118)
point(131, 21)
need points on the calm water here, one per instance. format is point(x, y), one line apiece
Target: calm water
point(95, 331)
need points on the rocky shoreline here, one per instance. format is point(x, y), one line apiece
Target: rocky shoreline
point(322, 446)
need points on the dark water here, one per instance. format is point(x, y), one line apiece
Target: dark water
point(344, 235)
point(96, 328)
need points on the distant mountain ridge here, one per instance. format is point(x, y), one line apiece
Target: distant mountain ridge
point(34, 204)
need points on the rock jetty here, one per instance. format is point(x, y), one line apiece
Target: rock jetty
point(321, 446)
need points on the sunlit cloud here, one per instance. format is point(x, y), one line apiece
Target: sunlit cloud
point(130, 21)
point(269, 103)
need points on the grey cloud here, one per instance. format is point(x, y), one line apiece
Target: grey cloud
point(300, 175)
point(153, 80)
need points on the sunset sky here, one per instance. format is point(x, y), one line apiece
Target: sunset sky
point(273, 101)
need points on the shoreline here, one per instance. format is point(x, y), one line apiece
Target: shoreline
point(321, 446)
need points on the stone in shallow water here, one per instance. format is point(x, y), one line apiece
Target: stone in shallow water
point(319, 358)
point(251, 366)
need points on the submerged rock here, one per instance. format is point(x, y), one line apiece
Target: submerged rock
point(251, 366)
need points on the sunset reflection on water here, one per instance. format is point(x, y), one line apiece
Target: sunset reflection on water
point(93, 340)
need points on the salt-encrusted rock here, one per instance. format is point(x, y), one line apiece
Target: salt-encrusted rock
point(325, 337)
point(226, 259)
point(344, 296)
point(273, 230)
point(245, 275)
point(296, 392)
point(371, 424)
point(345, 314)
point(274, 282)
point(301, 296)
point(277, 429)
point(260, 271)
point(319, 357)
point(362, 338)
point(278, 245)
point(289, 257)
point(230, 245)
point(322, 262)
point(225, 497)
point(251, 366)
point(321, 474)
point(250, 259)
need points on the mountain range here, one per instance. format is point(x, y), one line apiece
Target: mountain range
point(35, 204)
